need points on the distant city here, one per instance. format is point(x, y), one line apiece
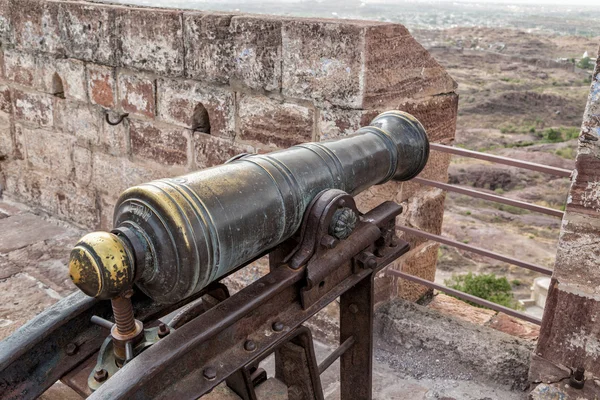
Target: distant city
point(583, 20)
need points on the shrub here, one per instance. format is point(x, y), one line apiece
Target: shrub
point(585, 63)
point(486, 286)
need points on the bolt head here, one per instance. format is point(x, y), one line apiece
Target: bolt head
point(100, 375)
point(353, 308)
point(277, 326)
point(249, 345)
point(210, 373)
point(163, 330)
point(71, 349)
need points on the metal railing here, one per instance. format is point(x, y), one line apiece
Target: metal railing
point(560, 172)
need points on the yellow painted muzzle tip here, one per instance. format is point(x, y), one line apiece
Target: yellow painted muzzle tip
point(101, 265)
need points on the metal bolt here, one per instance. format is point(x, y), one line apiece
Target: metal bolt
point(250, 345)
point(71, 349)
point(163, 330)
point(367, 259)
point(329, 242)
point(342, 203)
point(210, 373)
point(577, 379)
point(353, 308)
point(100, 375)
point(277, 326)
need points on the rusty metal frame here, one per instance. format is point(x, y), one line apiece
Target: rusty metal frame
point(224, 340)
point(561, 172)
point(466, 296)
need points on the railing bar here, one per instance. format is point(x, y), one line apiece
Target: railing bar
point(477, 250)
point(491, 197)
point(466, 296)
point(337, 353)
point(501, 160)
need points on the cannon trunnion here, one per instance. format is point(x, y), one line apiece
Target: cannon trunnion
point(176, 332)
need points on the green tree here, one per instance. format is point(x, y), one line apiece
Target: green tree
point(585, 63)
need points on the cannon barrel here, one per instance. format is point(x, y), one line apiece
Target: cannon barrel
point(172, 237)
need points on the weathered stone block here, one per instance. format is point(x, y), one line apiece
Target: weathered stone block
point(82, 165)
point(5, 22)
point(210, 151)
point(88, 32)
point(48, 151)
point(101, 85)
point(418, 262)
point(109, 179)
point(86, 126)
point(569, 331)
point(257, 52)
point(136, 93)
point(160, 143)
point(5, 99)
point(335, 122)
point(114, 139)
point(209, 46)
point(20, 68)
point(151, 40)
point(322, 60)
point(35, 25)
point(6, 139)
point(436, 169)
point(33, 107)
point(181, 102)
point(397, 67)
point(273, 123)
point(62, 77)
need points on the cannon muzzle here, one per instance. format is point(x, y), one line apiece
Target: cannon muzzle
point(172, 237)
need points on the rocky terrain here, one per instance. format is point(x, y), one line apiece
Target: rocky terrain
point(515, 101)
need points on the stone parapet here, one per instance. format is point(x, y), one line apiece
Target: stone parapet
point(199, 88)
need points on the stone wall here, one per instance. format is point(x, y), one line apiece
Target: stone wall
point(199, 88)
point(570, 332)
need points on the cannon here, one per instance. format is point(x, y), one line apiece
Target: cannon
point(172, 330)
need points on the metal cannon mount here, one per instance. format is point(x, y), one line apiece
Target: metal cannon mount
point(188, 348)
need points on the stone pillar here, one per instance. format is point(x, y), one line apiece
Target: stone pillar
point(570, 332)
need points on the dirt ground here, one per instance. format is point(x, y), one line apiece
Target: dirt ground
point(512, 92)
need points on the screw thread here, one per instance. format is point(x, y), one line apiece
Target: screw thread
point(123, 312)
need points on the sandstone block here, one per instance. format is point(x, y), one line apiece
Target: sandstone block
point(257, 52)
point(5, 99)
point(569, 331)
point(82, 165)
point(151, 40)
point(273, 123)
point(33, 107)
point(35, 26)
point(62, 77)
point(210, 151)
point(20, 68)
point(418, 262)
point(322, 61)
point(114, 139)
point(136, 93)
point(86, 126)
point(436, 169)
point(109, 179)
point(460, 309)
point(101, 85)
point(209, 46)
point(6, 139)
point(335, 122)
point(189, 103)
point(48, 151)
point(5, 23)
point(160, 143)
point(515, 326)
point(396, 67)
point(88, 32)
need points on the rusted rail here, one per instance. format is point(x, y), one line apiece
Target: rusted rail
point(465, 296)
point(491, 197)
point(565, 173)
point(477, 250)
